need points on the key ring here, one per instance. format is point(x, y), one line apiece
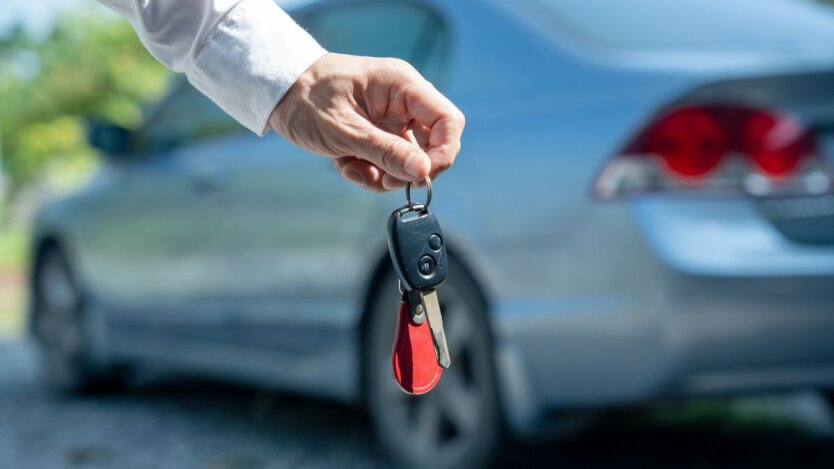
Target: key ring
point(408, 201)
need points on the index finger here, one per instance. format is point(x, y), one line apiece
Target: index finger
point(428, 107)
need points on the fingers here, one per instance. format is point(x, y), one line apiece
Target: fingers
point(372, 177)
point(390, 183)
point(434, 112)
point(359, 172)
point(420, 134)
point(366, 175)
point(397, 126)
point(391, 153)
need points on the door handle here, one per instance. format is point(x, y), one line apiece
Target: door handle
point(207, 180)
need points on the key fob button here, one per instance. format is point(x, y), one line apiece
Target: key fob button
point(427, 265)
point(435, 242)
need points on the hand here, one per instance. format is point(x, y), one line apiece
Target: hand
point(378, 120)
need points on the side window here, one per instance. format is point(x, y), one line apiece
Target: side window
point(185, 116)
point(383, 29)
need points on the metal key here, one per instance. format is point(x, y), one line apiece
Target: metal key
point(431, 307)
point(418, 253)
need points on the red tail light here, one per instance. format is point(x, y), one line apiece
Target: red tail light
point(691, 141)
point(776, 143)
point(717, 148)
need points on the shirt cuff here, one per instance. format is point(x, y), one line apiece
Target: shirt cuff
point(250, 60)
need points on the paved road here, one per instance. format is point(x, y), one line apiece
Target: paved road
point(179, 424)
point(171, 425)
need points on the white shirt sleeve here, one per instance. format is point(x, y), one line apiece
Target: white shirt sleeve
point(243, 54)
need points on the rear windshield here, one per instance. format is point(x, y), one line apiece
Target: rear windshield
point(702, 25)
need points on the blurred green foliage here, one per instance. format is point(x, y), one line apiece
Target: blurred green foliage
point(89, 66)
point(13, 244)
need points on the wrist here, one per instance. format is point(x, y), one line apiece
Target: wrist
point(295, 96)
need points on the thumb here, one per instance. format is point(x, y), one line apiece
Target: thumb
point(392, 154)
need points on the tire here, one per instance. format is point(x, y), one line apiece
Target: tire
point(60, 329)
point(458, 424)
point(828, 395)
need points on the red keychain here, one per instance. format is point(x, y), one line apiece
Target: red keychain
point(418, 254)
point(413, 356)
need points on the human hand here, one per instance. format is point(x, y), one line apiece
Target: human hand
point(378, 120)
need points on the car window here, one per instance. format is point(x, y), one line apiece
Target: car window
point(383, 29)
point(701, 25)
point(185, 116)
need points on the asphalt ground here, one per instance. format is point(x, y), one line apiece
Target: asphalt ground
point(188, 423)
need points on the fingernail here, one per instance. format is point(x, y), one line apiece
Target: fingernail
point(416, 165)
point(357, 177)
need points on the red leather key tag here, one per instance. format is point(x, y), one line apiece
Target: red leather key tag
point(413, 357)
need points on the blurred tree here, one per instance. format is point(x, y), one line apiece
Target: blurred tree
point(89, 66)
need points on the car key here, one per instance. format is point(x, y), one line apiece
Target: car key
point(418, 253)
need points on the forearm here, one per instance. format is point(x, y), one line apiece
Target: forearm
point(243, 54)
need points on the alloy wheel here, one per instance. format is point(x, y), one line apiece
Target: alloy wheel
point(457, 422)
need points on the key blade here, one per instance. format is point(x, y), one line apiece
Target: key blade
point(431, 304)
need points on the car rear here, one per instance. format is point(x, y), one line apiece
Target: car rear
point(735, 181)
point(713, 219)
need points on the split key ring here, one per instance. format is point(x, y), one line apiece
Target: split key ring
point(408, 201)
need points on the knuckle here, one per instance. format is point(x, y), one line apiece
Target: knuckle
point(401, 65)
point(397, 63)
point(450, 160)
point(451, 154)
point(388, 154)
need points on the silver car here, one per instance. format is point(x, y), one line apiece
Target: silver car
point(642, 208)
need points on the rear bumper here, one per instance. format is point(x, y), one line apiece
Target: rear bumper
point(725, 238)
point(707, 337)
point(630, 324)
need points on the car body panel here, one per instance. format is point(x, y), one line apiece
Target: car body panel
point(246, 258)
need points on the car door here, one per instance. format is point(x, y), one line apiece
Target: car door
point(156, 237)
point(305, 232)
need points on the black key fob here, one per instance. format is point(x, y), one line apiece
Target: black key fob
point(417, 247)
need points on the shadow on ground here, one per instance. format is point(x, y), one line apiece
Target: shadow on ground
point(622, 439)
point(175, 423)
